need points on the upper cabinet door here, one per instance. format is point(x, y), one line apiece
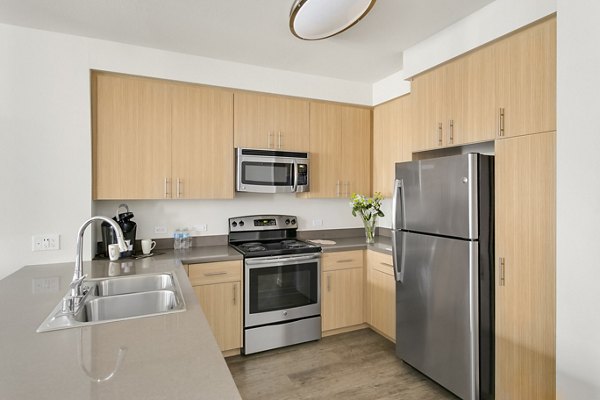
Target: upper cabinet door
point(271, 122)
point(325, 150)
point(429, 92)
point(203, 155)
point(526, 81)
point(387, 144)
point(478, 121)
point(131, 137)
point(356, 151)
point(292, 131)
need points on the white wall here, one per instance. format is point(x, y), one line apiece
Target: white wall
point(490, 22)
point(334, 213)
point(578, 200)
point(45, 153)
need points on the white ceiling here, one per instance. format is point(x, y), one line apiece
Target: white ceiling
point(249, 31)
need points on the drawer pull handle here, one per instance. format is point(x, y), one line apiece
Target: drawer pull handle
point(387, 264)
point(345, 260)
point(214, 273)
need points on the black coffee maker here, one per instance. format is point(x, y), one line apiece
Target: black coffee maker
point(128, 227)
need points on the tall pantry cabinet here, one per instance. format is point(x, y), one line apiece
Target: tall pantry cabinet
point(526, 266)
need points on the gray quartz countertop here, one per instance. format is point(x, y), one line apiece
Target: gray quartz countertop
point(173, 356)
point(382, 244)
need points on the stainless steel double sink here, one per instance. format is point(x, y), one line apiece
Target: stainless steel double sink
point(120, 298)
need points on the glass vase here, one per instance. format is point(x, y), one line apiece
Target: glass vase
point(370, 229)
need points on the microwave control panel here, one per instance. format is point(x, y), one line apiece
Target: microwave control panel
point(302, 175)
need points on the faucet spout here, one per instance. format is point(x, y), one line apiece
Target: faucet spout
point(78, 273)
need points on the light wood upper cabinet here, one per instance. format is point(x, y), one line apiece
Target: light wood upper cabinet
point(440, 97)
point(506, 88)
point(218, 287)
point(270, 122)
point(478, 121)
point(393, 140)
point(342, 290)
point(131, 128)
point(340, 147)
point(154, 139)
point(525, 267)
point(355, 170)
point(526, 80)
point(202, 147)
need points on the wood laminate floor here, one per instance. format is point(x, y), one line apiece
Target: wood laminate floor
point(354, 365)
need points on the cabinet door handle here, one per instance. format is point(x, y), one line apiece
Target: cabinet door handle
point(166, 188)
point(269, 140)
point(337, 188)
point(279, 140)
point(234, 294)
point(440, 139)
point(451, 131)
point(215, 273)
point(328, 282)
point(501, 123)
point(502, 271)
point(347, 186)
point(178, 188)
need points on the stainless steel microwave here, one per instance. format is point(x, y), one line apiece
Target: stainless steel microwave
point(271, 171)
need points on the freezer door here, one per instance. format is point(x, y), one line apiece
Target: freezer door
point(438, 196)
point(437, 327)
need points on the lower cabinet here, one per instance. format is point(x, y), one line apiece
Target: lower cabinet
point(342, 290)
point(381, 294)
point(218, 287)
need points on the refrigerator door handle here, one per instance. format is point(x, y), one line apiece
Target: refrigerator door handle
point(399, 255)
point(398, 193)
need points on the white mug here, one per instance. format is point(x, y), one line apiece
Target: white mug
point(148, 245)
point(114, 252)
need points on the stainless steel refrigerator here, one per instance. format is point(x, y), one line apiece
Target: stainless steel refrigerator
point(442, 231)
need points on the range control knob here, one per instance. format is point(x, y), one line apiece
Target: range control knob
point(234, 224)
point(241, 223)
point(287, 221)
point(293, 222)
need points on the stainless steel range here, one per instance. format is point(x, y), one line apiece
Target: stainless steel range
point(282, 296)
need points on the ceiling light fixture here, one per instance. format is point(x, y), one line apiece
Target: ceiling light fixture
point(320, 19)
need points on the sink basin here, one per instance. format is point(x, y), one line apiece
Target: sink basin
point(129, 306)
point(120, 298)
point(134, 284)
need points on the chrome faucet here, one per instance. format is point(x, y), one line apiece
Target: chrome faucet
point(76, 293)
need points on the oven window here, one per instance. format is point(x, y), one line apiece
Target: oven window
point(267, 173)
point(281, 288)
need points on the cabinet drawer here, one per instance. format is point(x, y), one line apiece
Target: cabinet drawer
point(215, 272)
point(381, 262)
point(342, 260)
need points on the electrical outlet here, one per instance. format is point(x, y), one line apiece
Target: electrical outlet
point(200, 228)
point(45, 242)
point(317, 222)
point(46, 285)
point(160, 229)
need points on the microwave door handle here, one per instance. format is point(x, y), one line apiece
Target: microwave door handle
point(295, 186)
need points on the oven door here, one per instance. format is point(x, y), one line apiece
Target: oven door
point(281, 288)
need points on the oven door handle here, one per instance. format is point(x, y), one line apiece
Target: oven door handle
point(278, 260)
